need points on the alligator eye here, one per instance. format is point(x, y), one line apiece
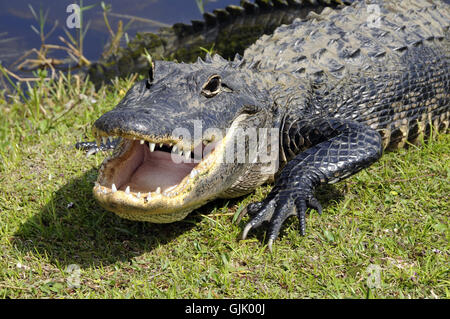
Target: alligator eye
point(212, 86)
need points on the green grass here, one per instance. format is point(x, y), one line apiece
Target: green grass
point(393, 215)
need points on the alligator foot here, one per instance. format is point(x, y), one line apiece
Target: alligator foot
point(277, 207)
point(340, 149)
point(93, 148)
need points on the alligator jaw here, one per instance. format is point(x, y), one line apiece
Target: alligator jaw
point(153, 180)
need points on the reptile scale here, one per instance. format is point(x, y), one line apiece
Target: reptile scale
point(338, 87)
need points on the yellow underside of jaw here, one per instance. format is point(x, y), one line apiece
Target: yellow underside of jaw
point(204, 183)
point(166, 206)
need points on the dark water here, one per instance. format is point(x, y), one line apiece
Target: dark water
point(16, 18)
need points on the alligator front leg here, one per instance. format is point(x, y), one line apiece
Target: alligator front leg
point(337, 149)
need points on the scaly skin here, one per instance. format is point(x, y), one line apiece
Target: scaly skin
point(228, 31)
point(339, 89)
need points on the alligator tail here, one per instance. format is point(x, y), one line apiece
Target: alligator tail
point(228, 31)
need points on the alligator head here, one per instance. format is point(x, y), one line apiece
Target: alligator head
point(178, 131)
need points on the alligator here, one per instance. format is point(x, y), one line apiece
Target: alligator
point(337, 89)
point(228, 31)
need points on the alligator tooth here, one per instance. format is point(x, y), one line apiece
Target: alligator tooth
point(149, 197)
point(187, 155)
point(127, 190)
point(111, 139)
point(161, 145)
point(104, 140)
point(113, 188)
point(193, 173)
point(142, 141)
point(151, 146)
point(158, 190)
point(138, 195)
point(98, 141)
point(170, 188)
point(180, 152)
point(174, 149)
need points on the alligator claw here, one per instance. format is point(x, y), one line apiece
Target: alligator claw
point(92, 151)
point(301, 205)
point(277, 209)
point(249, 207)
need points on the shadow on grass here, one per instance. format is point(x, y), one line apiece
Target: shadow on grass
point(73, 229)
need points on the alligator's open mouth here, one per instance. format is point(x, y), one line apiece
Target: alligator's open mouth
point(146, 168)
point(153, 180)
